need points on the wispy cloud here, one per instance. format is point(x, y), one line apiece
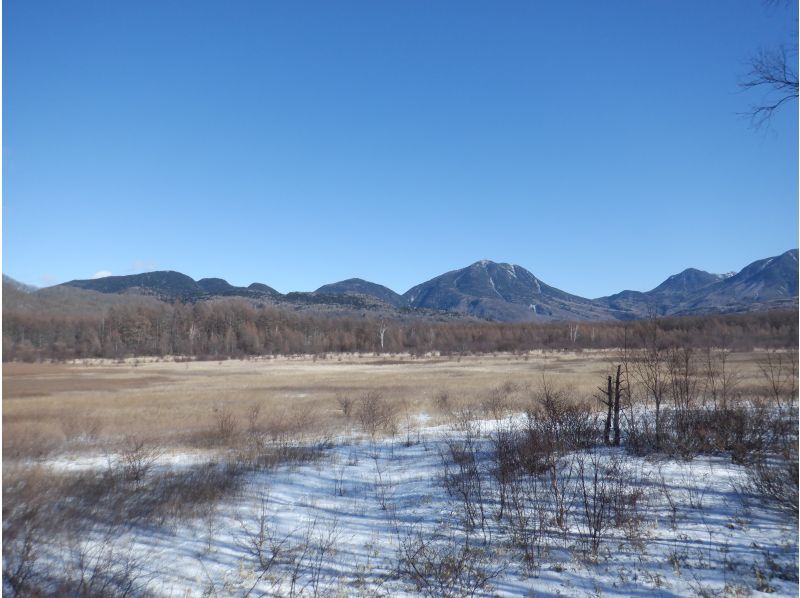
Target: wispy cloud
point(101, 274)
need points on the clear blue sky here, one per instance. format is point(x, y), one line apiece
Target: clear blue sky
point(598, 144)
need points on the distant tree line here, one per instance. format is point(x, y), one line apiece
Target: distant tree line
point(234, 328)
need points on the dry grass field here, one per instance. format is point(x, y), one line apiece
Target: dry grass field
point(48, 407)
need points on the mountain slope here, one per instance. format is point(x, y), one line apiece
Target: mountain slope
point(65, 300)
point(171, 285)
point(665, 297)
point(164, 283)
point(764, 284)
point(503, 292)
point(262, 288)
point(358, 286)
point(11, 283)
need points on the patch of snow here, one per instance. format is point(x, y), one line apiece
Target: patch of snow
point(698, 532)
point(93, 461)
point(494, 288)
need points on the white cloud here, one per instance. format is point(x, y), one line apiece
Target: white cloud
point(101, 274)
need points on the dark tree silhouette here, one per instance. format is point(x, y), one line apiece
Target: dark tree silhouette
point(774, 73)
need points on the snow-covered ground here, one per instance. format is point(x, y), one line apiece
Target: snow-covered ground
point(338, 522)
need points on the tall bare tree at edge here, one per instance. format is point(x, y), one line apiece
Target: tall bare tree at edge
point(774, 72)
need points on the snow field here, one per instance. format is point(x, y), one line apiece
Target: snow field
point(339, 526)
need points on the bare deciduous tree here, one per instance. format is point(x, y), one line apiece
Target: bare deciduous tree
point(772, 72)
point(573, 332)
point(651, 371)
point(779, 371)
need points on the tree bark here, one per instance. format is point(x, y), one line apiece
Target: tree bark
point(609, 402)
point(616, 405)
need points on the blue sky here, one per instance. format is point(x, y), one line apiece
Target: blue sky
point(598, 144)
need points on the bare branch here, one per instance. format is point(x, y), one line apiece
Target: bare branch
point(773, 72)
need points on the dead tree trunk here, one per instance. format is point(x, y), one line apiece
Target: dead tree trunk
point(609, 402)
point(381, 333)
point(616, 404)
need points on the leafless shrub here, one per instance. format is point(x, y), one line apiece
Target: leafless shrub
point(629, 497)
point(505, 462)
point(555, 426)
point(446, 564)
point(268, 549)
point(254, 421)
point(278, 439)
point(382, 484)
point(290, 566)
point(28, 441)
point(262, 456)
point(560, 476)
point(23, 533)
point(346, 404)
point(318, 543)
point(594, 487)
point(528, 515)
point(650, 367)
point(225, 424)
point(464, 420)
point(74, 502)
point(88, 567)
point(683, 378)
point(774, 477)
point(640, 437)
point(463, 477)
point(375, 413)
point(286, 426)
point(81, 426)
point(568, 424)
point(779, 371)
point(702, 431)
point(720, 380)
point(410, 424)
point(442, 401)
point(495, 404)
point(738, 429)
point(669, 497)
point(186, 493)
point(136, 459)
point(98, 568)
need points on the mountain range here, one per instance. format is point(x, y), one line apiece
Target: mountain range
point(488, 290)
